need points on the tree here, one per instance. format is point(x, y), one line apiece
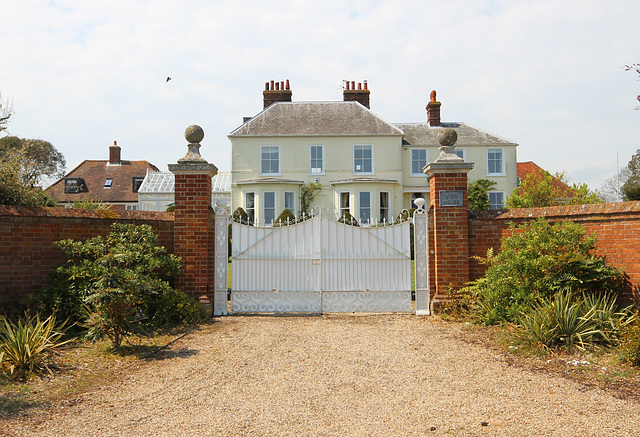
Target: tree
point(636, 68)
point(631, 187)
point(308, 192)
point(6, 111)
point(40, 159)
point(541, 189)
point(15, 188)
point(120, 283)
point(477, 198)
point(611, 188)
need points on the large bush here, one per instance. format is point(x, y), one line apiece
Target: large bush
point(536, 262)
point(119, 284)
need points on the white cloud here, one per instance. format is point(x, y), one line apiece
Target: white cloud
point(546, 74)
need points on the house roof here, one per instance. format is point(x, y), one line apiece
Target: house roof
point(421, 134)
point(95, 173)
point(526, 168)
point(316, 119)
point(164, 182)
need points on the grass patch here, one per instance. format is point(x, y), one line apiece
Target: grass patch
point(82, 366)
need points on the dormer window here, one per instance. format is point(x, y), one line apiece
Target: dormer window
point(108, 182)
point(74, 185)
point(137, 181)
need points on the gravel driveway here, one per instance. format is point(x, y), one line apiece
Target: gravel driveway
point(385, 375)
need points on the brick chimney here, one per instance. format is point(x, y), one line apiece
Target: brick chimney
point(433, 110)
point(360, 95)
point(114, 154)
point(276, 92)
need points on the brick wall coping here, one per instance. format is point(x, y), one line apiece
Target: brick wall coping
point(29, 211)
point(592, 210)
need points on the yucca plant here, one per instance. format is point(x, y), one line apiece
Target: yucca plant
point(27, 344)
point(570, 320)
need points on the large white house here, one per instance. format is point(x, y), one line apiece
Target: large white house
point(365, 165)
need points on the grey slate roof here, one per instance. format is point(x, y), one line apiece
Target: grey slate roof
point(421, 134)
point(316, 119)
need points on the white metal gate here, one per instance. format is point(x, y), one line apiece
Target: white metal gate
point(320, 265)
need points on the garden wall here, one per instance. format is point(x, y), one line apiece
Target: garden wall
point(27, 254)
point(615, 225)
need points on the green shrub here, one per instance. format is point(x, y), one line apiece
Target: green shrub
point(285, 218)
point(348, 219)
point(567, 320)
point(477, 197)
point(536, 262)
point(629, 347)
point(119, 284)
point(27, 345)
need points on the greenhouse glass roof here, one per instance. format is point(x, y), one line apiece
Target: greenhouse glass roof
point(158, 182)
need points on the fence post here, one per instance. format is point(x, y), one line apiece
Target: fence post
point(222, 259)
point(448, 201)
point(421, 258)
point(194, 224)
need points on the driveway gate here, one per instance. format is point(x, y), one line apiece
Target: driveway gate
point(320, 265)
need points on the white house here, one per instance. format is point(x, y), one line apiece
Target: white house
point(365, 165)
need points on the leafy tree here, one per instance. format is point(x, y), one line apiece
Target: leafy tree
point(119, 284)
point(308, 192)
point(15, 189)
point(40, 159)
point(536, 262)
point(477, 196)
point(540, 189)
point(6, 111)
point(631, 187)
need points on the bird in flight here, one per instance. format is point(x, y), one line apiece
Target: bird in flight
point(168, 78)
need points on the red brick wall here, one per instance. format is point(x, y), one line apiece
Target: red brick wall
point(616, 227)
point(450, 230)
point(27, 254)
point(195, 233)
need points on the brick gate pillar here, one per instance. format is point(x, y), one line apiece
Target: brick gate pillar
point(448, 204)
point(194, 226)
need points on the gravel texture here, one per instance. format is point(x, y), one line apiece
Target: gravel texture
point(383, 375)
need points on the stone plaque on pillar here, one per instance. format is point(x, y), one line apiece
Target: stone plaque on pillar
point(451, 198)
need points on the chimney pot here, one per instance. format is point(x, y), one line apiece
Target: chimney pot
point(358, 95)
point(272, 86)
point(433, 110)
point(276, 92)
point(288, 84)
point(266, 86)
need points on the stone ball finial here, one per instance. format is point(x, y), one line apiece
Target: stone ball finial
point(194, 134)
point(447, 137)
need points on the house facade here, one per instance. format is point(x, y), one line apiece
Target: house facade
point(365, 165)
point(114, 182)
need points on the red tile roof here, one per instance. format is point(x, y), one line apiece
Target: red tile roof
point(95, 173)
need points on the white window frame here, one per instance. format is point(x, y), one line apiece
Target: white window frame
point(361, 209)
point(311, 159)
point(502, 172)
point(271, 210)
point(251, 212)
point(357, 172)
point(342, 209)
point(426, 161)
point(463, 153)
point(493, 204)
point(384, 212)
point(292, 208)
point(262, 161)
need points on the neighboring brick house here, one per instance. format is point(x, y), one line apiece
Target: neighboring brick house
point(367, 166)
point(114, 181)
point(528, 167)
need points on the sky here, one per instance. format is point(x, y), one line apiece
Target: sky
point(548, 75)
